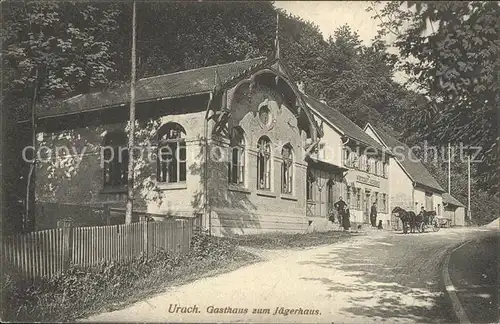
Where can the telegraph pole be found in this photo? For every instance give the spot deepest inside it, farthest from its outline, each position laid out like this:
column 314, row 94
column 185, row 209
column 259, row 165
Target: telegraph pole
column 449, row 168
column 130, row 179
column 468, row 186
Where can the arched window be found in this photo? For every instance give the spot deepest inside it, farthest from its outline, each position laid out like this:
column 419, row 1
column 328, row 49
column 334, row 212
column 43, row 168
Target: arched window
column 115, row 159
column 236, row 165
column 287, row 169
column 171, row 155
column 264, row 163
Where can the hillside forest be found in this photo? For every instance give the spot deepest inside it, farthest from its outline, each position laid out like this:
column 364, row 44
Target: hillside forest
column 53, row 50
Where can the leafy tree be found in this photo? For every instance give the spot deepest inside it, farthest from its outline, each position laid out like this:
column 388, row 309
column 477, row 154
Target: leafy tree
column 451, row 52
column 50, row 50
column 355, row 78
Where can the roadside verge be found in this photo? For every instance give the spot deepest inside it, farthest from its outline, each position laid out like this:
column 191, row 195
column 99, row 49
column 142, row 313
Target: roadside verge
column 450, row 288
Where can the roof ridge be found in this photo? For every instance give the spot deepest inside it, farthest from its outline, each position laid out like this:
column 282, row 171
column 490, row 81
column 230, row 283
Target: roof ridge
column 340, row 112
column 202, row 67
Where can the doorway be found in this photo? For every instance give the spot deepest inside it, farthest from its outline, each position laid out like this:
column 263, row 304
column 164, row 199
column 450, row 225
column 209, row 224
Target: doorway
column 367, row 206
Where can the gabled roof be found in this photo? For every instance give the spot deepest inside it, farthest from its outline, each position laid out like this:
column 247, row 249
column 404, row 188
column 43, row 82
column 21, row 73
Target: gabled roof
column 178, row 84
column 449, row 199
column 408, row 161
column 341, row 122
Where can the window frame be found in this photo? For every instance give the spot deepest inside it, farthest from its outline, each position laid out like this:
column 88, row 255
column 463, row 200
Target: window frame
column 310, row 181
column 118, row 142
column 358, row 199
column 236, row 171
column 287, row 170
column 177, row 147
column 264, row 160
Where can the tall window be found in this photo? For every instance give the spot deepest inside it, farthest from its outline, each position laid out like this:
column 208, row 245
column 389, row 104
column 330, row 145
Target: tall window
column 310, row 186
column 384, row 169
column 345, row 156
column 358, row 199
column 115, row 159
column 375, row 200
column 368, row 164
column 348, row 196
column 287, row 169
column 330, row 186
column 264, row 163
column 384, row 202
column 321, row 151
column 363, row 162
column 352, row 205
column 171, row 157
column 377, row 168
column 236, row 166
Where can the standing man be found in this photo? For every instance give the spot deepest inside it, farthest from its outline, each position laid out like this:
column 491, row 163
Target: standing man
column 373, row 214
column 340, row 206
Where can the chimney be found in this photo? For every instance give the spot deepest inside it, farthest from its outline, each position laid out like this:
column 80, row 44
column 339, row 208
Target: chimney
column 300, row 85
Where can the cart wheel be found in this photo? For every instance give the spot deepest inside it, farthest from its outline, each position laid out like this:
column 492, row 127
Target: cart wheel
column 436, row 227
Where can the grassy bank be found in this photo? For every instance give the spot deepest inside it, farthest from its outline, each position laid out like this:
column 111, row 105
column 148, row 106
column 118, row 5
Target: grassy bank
column 283, row 241
column 79, row 293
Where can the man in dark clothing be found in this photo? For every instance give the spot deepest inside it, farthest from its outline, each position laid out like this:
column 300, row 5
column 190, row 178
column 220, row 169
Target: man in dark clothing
column 340, row 205
column 373, row 215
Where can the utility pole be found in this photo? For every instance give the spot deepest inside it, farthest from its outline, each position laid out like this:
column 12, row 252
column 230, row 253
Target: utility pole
column 468, row 186
column 449, row 168
column 130, row 180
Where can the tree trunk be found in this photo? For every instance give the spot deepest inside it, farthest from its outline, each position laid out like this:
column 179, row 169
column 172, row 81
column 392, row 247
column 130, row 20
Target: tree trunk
column 31, row 173
column 130, row 180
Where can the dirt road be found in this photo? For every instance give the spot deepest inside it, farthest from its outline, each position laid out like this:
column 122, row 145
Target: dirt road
column 380, row 277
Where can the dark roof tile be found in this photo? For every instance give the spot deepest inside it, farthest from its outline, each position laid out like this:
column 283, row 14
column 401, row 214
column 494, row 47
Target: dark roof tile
column 347, row 126
column 449, row 199
column 409, row 161
column 171, row 85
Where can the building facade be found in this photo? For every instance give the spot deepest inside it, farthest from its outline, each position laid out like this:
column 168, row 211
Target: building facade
column 454, row 210
column 411, row 184
column 361, row 164
column 228, row 143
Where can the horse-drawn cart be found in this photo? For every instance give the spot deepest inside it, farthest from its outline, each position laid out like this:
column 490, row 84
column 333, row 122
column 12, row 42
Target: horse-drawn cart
column 417, row 223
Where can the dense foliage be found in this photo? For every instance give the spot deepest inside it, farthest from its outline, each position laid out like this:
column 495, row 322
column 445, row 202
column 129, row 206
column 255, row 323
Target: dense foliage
column 79, row 46
column 451, row 52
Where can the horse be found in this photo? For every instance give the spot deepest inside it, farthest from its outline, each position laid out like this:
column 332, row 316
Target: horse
column 408, row 218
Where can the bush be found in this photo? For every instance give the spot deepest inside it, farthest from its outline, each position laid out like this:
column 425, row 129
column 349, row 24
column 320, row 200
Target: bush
column 81, row 291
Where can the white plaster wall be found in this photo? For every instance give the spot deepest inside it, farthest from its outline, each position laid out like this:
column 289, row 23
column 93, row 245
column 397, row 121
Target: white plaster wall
column 401, row 187
column 332, row 152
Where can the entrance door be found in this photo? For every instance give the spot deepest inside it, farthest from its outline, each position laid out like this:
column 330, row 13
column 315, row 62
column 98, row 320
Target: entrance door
column 367, row 206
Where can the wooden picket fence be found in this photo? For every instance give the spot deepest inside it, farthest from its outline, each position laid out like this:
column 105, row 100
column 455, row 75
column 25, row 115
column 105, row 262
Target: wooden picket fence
column 48, row 252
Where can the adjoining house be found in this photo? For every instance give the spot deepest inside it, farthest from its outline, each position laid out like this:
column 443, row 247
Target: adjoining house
column 454, row 210
column 358, row 163
column 411, row 184
column 228, row 142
